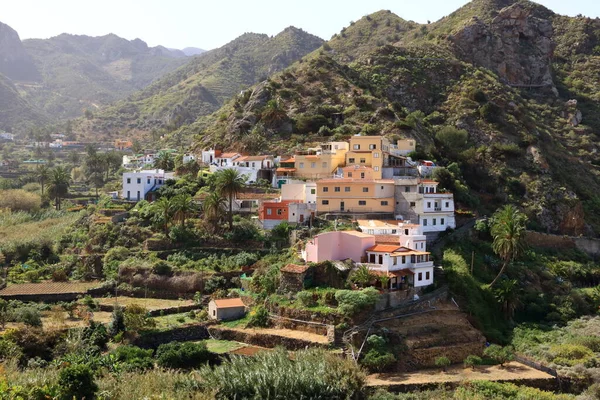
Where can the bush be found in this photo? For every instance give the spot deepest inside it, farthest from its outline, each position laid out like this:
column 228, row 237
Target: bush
column 306, row 298
column 27, row 315
column 134, row 358
column 215, row 283
column 375, row 361
column 77, row 381
column 20, row 200
column 352, row 301
column 182, row 355
column 136, row 318
column 452, row 139
column 259, row 317
column 117, row 323
column 570, row 354
column 472, row 361
column 162, row 268
column 499, row 354
column 442, row 362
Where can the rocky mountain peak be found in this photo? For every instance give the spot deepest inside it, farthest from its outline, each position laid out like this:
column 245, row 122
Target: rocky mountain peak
column 15, row 63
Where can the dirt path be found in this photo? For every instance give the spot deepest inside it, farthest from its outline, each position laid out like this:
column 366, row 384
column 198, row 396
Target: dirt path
column 288, row 333
column 512, row 371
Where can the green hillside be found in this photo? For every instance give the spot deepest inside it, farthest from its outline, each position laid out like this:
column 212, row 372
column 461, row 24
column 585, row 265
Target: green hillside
column 16, row 113
column 204, row 84
column 499, row 82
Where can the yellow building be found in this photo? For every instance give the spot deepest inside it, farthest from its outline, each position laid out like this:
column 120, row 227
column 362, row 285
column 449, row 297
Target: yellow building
column 122, row 144
column 355, row 195
column 321, row 162
column 375, row 152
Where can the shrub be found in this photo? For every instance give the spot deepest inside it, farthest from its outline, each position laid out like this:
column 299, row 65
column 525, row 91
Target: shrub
column 182, row 355
column 442, row 362
column 472, row 361
column 259, row 317
column 162, row 268
column 375, row 361
column 452, row 139
column 133, row 357
column 20, row 200
column 77, row 381
column 117, row 323
column 27, row 315
column 306, row 298
column 353, row 301
column 59, row 275
column 570, row 354
column 499, row 354
column 136, row 318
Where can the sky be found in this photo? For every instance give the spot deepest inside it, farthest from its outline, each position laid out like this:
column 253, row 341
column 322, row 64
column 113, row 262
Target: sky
column 209, row 24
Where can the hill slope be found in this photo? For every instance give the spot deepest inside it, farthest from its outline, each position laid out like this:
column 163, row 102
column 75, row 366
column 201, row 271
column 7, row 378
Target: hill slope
column 15, row 63
column 16, row 114
column 496, row 77
column 204, row 84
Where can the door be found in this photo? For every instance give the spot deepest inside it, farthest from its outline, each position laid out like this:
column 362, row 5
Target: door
column 342, row 206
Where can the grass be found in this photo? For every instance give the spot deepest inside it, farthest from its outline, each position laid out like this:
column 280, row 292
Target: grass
column 222, row 346
column 165, row 322
column 238, row 323
column 48, row 288
column 150, row 304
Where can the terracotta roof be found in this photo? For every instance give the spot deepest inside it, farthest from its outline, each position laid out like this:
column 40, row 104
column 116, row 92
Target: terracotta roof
column 253, row 158
column 229, row 155
column 286, row 169
column 429, row 181
column 387, row 239
column 404, row 251
column 295, row 269
column 351, row 180
column 288, row 160
column 229, row 303
column 384, row 248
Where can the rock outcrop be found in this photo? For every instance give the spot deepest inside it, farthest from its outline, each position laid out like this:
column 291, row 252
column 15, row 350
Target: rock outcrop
column 15, row 62
column 517, row 45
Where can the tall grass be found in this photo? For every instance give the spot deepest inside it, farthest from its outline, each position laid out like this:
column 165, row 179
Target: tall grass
column 21, row 217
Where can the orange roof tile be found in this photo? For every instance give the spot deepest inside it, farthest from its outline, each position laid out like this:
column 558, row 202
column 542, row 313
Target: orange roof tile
column 229, row 155
column 229, row 303
column 289, row 160
column 429, row 181
column 286, row 169
column 384, row 248
column 387, row 239
column 295, row 269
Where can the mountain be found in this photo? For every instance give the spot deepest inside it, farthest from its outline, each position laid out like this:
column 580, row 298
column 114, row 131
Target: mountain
column 15, row 63
column 193, row 51
column 503, row 93
column 205, row 83
column 16, row 113
column 82, row 72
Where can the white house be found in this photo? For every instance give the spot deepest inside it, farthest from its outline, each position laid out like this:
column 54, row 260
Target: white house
column 426, row 168
column 224, row 160
column 208, row 156
column 305, row 192
column 139, row 185
column 403, row 233
column 188, row 157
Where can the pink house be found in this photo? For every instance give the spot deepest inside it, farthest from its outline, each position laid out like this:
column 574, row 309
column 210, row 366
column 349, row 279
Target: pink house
column 338, row 245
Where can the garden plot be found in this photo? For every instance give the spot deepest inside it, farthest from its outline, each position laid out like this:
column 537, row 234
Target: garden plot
column 149, row 304
column 43, row 288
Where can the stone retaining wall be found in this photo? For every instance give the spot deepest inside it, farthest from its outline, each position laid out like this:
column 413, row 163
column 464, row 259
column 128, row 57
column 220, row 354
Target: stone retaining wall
column 151, row 340
column 261, row 339
column 155, row 313
column 425, row 357
column 591, row 246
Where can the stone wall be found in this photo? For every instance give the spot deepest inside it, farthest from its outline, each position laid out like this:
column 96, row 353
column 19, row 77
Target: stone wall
column 151, row 340
column 155, row 313
column 591, row 246
column 300, row 325
column 425, row 357
column 260, row 339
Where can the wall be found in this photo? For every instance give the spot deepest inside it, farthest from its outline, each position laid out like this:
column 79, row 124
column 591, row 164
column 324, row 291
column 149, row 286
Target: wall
column 424, row 281
column 591, row 246
column 338, row 245
column 261, row 339
column 182, row 334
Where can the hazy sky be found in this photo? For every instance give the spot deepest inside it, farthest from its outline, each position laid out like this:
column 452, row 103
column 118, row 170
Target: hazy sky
column 210, row 24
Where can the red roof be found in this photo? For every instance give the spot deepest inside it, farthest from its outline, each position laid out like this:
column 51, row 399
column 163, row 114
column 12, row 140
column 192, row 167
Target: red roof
column 428, row 181
column 295, row 269
column 384, row 248
column 229, row 303
column 387, row 239
column 280, row 169
column 351, row 180
column 229, row 155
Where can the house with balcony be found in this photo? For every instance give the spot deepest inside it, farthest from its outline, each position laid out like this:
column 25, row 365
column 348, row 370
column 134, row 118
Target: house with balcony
column 403, row 233
column 141, row 185
column 403, row 266
column 305, row 192
column 379, row 154
column 355, row 195
column 320, row 162
column 255, row 167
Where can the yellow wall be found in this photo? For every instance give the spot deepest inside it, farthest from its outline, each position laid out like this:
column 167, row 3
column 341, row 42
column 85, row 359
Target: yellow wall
column 320, row 170
column 352, row 194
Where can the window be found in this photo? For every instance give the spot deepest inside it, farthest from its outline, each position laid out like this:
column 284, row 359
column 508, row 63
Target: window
column 406, row 232
column 337, row 189
column 362, row 175
column 313, row 164
column 148, row 181
column 435, row 221
column 351, row 161
column 420, row 276
column 362, row 202
column 160, row 181
column 447, row 204
column 376, row 169
column 356, row 147
column 325, row 202
column 214, row 313
column 279, row 211
column 372, row 146
column 347, row 189
column 394, row 231
column 325, row 189
column 425, row 222
column 395, row 259
column 325, row 164
column 442, row 221
column 406, row 189
column 128, row 180
column 139, row 180
column 312, row 191
column 427, row 275
column 363, row 160
column 375, row 155
column 428, row 204
column 269, row 211
column 138, row 195
column 381, row 187
column 403, row 259
column 253, row 165
column 128, row 195
column 301, row 165
column 365, row 190
column 349, row 174
column 384, row 203
column 413, row 204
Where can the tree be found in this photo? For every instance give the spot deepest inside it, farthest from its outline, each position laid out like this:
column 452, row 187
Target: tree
column 164, row 160
column 183, row 206
column 499, row 354
column 136, row 146
column 136, row 318
column 362, row 276
column 443, row 362
column 77, row 382
column 117, row 323
column 42, row 174
column 508, row 231
column 60, row 181
column 472, row 361
column 112, row 162
column 507, row 295
column 230, row 182
column 165, row 208
column 214, row 207
column 94, row 169
column 452, row 139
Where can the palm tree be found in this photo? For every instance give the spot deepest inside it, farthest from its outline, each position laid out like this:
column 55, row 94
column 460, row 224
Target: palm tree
column 164, row 161
column 362, row 276
column 42, row 174
column 60, row 181
column 508, row 231
column 213, row 207
column 507, row 295
column 165, row 208
column 229, row 183
column 183, row 205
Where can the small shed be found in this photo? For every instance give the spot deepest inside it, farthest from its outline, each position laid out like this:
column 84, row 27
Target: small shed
column 226, row 309
column 295, row 278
